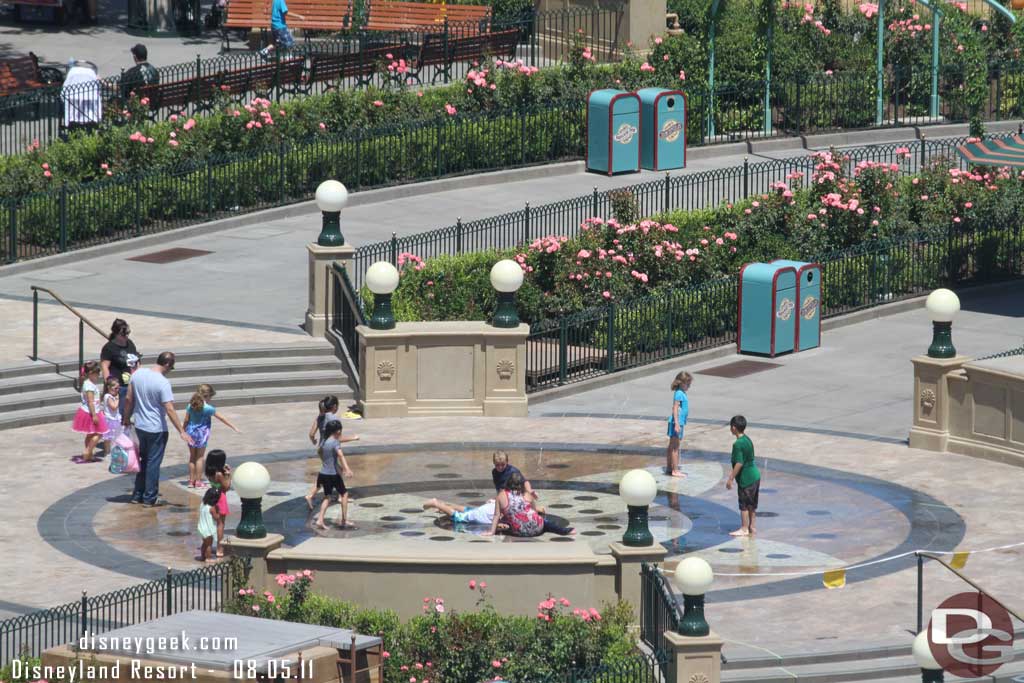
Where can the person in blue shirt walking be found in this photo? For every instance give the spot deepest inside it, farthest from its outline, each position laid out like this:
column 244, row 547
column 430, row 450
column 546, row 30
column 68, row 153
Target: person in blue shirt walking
column 677, row 421
column 283, row 39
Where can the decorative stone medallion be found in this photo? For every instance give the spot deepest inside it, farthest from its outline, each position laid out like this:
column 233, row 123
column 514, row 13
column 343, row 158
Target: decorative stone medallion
column 699, row 678
column 927, row 400
column 385, row 370
column 505, row 369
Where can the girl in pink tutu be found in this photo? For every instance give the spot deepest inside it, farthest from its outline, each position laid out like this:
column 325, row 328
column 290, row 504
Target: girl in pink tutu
column 89, row 419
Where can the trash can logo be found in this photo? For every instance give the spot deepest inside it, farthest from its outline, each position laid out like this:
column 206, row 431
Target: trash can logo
column 625, row 134
column 785, row 310
column 809, row 307
column 671, row 130
column 971, row 635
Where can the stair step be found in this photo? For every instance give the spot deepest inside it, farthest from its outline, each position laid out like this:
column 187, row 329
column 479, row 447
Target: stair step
column 28, row 369
column 311, row 350
column 65, row 412
column 226, row 386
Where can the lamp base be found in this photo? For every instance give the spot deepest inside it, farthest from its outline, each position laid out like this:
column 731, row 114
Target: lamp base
column 251, row 523
column 330, row 230
column 383, row 318
column 932, row 676
column 693, row 623
column 637, row 534
column 505, row 314
column 942, row 341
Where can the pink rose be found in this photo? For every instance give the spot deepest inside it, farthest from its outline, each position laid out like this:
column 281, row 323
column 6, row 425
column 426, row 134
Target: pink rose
column 472, row 582
column 190, row 124
column 378, row 103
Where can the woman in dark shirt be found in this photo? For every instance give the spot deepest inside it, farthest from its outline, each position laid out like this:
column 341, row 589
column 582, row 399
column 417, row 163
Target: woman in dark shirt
column 119, row 357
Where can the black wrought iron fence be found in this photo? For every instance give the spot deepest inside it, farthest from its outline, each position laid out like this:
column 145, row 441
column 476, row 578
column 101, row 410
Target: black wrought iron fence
column 659, row 610
column 346, row 314
column 205, row 588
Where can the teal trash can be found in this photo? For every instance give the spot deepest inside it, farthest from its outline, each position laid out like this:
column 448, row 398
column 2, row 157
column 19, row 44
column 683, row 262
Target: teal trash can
column 663, row 129
column 808, row 298
column 767, row 309
column 613, row 132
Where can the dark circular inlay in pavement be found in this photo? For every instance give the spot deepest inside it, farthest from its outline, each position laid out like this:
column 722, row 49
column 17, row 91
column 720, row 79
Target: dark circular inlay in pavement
column 468, row 494
column 177, row 533
column 557, row 466
column 823, row 536
column 278, row 493
column 447, row 475
column 591, row 511
column 561, row 539
column 593, row 533
column 818, row 513
column 412, row 533
column 411, row 511
column 730, row 550
column 479, row 540
column 606, row 519
column 392, row 518
column 585, row 498
column 559, row 506
column 610, row 527
column 442, row 538
column 437, row 466
column 371, row 505
column 767, row 514
column 778, row 556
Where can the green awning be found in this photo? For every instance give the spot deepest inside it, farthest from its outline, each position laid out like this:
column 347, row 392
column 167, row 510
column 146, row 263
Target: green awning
column 1007, row 151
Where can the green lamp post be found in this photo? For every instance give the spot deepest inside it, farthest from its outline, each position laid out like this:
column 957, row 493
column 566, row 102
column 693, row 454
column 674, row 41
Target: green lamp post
column 693, row 577
column 506, row 278
column 382, row 279
column 942, row 305
column 331, row 196
column 638, row 490
column 931, row 670
column 251, row 481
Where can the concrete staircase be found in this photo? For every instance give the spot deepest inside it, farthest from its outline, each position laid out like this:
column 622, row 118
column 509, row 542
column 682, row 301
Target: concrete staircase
column 40, row 392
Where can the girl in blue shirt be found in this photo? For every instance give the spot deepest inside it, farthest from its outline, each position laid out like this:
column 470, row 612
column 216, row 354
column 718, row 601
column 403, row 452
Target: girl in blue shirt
column 198, row 418
column 677, row 421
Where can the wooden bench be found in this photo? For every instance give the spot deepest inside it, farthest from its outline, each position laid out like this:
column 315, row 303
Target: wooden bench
column 362, row 65
column 245, row 15
column 22, row 74
column 176, row 96
column 321, row 15
column 439, row 51
column 396, row 16
column 286, row 74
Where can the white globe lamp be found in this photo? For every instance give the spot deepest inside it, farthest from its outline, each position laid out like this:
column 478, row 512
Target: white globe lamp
column 331, row 197
column 931, row 670
column 942, row 305
column 693, row 578
column 251, row 481
column 506, row 278
column 382, row 279
column 638, row 490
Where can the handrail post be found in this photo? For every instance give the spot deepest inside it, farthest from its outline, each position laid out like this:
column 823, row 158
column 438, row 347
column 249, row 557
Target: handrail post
column 81, row 344
column 35, row 324
column 920, row 592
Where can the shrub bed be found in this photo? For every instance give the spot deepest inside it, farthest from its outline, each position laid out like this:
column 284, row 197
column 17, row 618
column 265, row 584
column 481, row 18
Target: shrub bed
column 445, row 646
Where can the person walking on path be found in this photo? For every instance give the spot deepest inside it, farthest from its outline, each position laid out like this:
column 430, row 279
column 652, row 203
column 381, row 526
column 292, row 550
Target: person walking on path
column 745, row 474
column 333, row 466
column 677, row 422
column 198, row 422
column 150, row 401
column 283, row 39
column 119, row 357
column 89, row 418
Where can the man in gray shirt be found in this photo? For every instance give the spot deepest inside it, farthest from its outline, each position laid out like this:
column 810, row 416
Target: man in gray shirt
column 151, row 401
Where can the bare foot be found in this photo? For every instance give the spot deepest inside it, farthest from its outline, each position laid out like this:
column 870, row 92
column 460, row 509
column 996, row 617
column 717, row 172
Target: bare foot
column 309, row 502
column 430, row 503
column 753, row 531
column 347, row 525
column 679, row 474
column 320, row 525
column 739, row 532
column 220, row 552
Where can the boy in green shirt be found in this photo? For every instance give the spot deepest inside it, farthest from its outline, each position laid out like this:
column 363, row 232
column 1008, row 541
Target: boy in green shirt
column 745, row 474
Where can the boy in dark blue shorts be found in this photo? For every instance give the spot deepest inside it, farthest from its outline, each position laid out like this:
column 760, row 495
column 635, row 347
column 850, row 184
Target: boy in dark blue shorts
column 746, row 475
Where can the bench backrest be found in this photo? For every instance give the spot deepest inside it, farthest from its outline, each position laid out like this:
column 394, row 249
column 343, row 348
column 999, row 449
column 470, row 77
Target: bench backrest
column 330, row 67
column 499, row 44
column 394, row 15
column 320, row 15
column 19, row 74
column 248, row 14
column 242, row 80
column 173, row 94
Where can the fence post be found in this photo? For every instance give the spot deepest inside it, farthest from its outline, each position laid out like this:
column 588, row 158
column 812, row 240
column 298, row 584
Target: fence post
column 394, row 250
column 85, row 613
column 669, row 321
column 138, row 206
column 563, row 349
column 746, row 177
column 594, row 212
column 12, row 231
column 668, row 184
column 526, row 224
column 359, row 160
column 209, row 185
column 873, row 276
column 35, row 324
column 458, row 235
column 64, row 216
column 799, row 113
column 281, row 151
column 611, row 339
column 169, row 605
column 924, row 158
column 447, row 69
column 440, row 146
column 522, row 135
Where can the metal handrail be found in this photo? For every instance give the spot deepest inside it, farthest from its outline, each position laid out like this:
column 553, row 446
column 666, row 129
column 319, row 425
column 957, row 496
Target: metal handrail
column 920, row 587
column 82, row 322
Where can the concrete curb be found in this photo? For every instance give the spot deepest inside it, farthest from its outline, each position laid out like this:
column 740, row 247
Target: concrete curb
column 725, row 350
column 363, row 198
